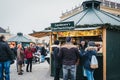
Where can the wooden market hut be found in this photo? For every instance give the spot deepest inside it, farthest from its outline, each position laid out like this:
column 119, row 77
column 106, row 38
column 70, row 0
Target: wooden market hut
column 108, row 26
column 97, row 25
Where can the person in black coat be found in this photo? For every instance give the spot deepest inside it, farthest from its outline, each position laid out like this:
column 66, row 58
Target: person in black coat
column 6, row 57
column 83, row 46
column 43, row 53
column 57, row 62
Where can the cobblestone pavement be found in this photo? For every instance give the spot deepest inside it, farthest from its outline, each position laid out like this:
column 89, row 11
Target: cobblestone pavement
column 39, row 72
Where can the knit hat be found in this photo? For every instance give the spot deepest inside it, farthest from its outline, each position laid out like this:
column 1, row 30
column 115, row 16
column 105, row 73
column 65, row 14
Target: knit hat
column 68, row 39
column 91, row 43
column 56, row 42
column 2, row 37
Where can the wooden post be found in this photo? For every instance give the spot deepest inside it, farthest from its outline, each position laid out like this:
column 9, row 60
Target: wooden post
column 57, row 36
column 50, row 43
column 104, row 53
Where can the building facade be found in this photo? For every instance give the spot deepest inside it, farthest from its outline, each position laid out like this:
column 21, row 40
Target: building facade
column 106, row 5
column 5, row 32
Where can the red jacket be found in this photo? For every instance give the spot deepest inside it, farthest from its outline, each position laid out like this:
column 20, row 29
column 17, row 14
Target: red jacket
column 33, row 50
column 28, row 53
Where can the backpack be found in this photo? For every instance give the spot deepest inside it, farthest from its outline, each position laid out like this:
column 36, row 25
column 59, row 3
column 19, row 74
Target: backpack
column 94, row 62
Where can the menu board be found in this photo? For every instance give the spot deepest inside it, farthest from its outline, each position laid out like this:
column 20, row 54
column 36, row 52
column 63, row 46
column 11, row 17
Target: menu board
column 80, row 33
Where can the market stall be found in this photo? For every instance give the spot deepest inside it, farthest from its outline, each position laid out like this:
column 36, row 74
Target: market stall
column 96, row 25
column 93, row 24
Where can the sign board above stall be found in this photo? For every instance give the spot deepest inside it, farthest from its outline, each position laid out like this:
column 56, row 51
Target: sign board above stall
column 73, row 33
column 62, row 26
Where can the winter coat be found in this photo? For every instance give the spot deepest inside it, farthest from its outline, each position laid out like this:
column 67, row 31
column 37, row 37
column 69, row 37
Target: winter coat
column 82, row 52
column 20, row 56
column 5, row 52
column 87, row 58
column 43, row 51
column 69, row 54
column 28, row 53
column 57, row 61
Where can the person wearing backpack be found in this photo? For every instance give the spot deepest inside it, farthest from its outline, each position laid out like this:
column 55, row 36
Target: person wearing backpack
column 89, row 52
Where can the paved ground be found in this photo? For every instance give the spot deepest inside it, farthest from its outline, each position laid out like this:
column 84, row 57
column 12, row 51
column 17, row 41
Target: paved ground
column 40, row 72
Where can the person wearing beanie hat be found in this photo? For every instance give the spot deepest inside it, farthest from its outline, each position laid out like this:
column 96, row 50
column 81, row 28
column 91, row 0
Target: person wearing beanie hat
column 57, row 63
column 68, row 39
column 56, row 42
column 69, row 55
column 89, row 52
column 91, row 46
column 2, row 38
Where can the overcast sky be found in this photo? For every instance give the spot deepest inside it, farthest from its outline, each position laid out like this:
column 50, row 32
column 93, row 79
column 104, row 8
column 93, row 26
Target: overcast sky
column 27, row 15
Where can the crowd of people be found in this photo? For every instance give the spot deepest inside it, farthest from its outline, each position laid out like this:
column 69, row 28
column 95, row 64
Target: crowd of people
column 21, row 55
column 68, row 56
column 27, row 54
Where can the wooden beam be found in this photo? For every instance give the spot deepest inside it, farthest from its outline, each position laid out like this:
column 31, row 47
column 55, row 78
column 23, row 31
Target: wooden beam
column 40, row 34
column 110, row 10
column 104, row 53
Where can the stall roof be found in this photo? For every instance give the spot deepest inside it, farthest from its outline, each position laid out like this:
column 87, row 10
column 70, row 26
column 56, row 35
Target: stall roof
column 41, row 33
column 88, row 28
column 92, row 14
column 2, row 30
column 19, row 38
column 47, row 32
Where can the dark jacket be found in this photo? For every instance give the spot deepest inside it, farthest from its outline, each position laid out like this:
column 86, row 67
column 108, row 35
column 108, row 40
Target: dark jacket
column 82, row 52
column 43, row 51
column 14, row 50
column 57, row 61
column 69, row 54
column 5, row 52
column 87, row 59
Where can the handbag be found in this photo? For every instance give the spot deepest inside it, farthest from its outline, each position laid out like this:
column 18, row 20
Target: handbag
column 94, row 62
